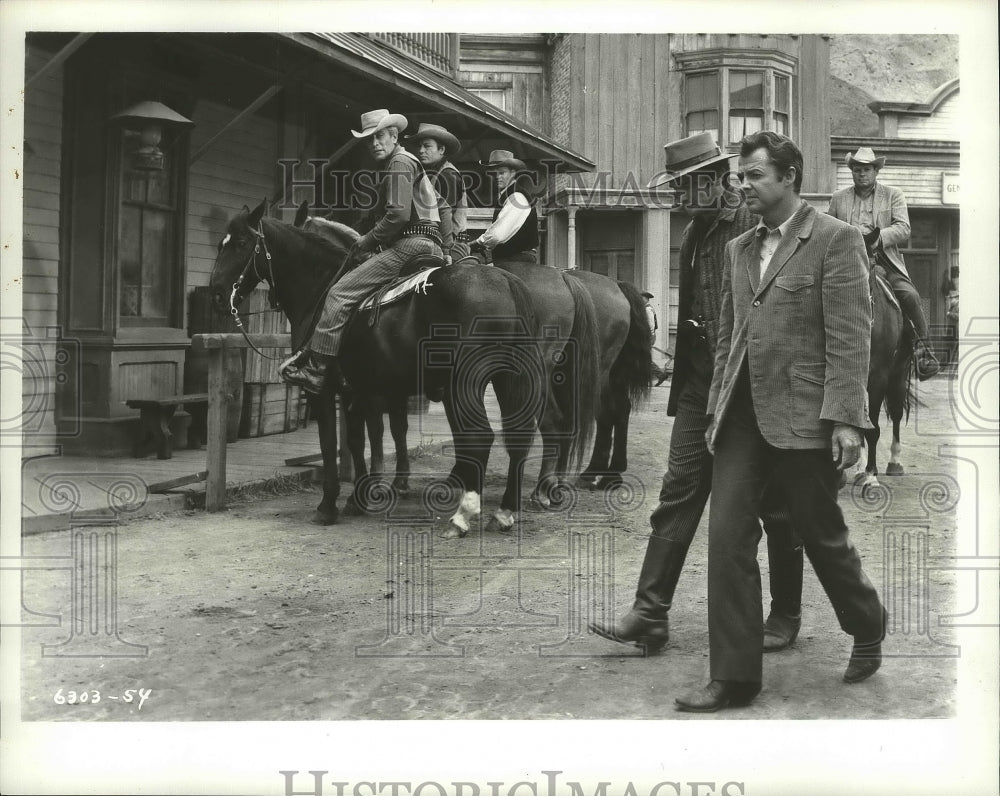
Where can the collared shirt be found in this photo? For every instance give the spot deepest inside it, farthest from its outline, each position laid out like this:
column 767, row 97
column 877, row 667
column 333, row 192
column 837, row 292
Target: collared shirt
column 863, row 209
column 513, row 214
column 770, row 239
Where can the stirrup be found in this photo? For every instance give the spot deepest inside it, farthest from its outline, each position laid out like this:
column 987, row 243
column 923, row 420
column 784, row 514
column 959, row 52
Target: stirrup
column 292, row 360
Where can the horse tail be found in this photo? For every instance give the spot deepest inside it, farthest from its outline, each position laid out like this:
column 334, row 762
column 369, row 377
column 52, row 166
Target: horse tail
column 908, row 369
column 633, row 369
column 583, row 370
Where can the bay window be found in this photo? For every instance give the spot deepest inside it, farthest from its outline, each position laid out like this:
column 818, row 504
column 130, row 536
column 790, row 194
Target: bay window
column 733, row 93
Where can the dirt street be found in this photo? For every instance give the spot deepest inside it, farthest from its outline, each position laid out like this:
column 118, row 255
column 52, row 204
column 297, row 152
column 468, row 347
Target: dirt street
column 255, row 614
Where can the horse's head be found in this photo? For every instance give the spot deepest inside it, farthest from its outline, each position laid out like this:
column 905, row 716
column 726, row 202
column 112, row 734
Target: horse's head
column 338, row 234
column 235, row 266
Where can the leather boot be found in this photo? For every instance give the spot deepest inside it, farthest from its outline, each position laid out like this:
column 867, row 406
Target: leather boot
column 926, row 363
column 866, row 655
column 646, row 625
column 313, row 372
column 784, row 557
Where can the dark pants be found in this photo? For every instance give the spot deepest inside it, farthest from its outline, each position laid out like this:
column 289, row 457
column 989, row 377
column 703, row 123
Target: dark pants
column 805, row 482
column 909, row 300
column 687, row 483
column 356, row 285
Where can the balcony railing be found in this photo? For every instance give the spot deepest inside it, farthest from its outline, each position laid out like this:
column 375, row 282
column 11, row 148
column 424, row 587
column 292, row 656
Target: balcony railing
column 436, row 50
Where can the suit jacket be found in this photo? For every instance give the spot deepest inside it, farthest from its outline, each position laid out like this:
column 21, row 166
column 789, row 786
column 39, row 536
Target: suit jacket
column 890, row 216
column 804, row 329
column 711, row 250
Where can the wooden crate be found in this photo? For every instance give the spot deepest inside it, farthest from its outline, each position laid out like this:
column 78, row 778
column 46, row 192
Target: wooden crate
column 271, row 409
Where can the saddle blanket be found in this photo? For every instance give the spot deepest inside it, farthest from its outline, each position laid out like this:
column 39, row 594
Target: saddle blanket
column 399, row 289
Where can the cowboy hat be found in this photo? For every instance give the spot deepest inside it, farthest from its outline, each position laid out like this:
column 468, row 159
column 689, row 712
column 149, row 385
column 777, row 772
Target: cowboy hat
column 864, row 157
column 503, row 157
column 689, row 154
column 439, row 134
column 373, row 121
column 647, row 294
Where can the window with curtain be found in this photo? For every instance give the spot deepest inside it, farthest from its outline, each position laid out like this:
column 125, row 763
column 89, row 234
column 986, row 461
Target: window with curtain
column 702, row 104
column 782, row 103
column 746, row 104
column 746, row 92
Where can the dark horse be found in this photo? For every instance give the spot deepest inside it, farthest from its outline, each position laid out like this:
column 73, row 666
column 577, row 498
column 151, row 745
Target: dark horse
column 621, row 360
column 568, row 350
column 889, row 377
column 469, row 327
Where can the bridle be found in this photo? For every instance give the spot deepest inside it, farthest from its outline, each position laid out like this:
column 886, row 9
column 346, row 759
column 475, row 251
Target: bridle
column 235, row 296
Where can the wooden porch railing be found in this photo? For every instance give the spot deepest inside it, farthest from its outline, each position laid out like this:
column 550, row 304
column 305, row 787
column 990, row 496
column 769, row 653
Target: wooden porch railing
column 214, row 346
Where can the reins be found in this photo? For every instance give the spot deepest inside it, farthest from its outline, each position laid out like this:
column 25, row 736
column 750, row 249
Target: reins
column 252, row 262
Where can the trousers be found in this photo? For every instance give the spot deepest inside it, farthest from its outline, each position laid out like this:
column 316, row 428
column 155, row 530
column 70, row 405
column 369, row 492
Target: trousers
column 806, row 483
column 687, row 482
column 909, row 300
column 354, row 286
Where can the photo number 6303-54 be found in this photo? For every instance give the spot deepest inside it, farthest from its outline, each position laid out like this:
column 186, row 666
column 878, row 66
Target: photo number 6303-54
column 93, row 696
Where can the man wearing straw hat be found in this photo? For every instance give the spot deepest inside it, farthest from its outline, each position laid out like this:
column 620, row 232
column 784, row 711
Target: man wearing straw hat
column 402, row 224
column 436, row 148
column 699, row 172
column 880, row 212
column 513, row 235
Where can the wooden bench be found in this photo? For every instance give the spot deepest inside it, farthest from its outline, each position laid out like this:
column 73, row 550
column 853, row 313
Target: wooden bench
column 154, row 422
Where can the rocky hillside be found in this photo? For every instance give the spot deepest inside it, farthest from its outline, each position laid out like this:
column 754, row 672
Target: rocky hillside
column 895, row 68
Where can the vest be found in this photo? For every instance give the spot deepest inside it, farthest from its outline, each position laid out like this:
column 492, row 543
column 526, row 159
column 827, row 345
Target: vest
column 459, row 220
column 526, row 238
column 424, row 208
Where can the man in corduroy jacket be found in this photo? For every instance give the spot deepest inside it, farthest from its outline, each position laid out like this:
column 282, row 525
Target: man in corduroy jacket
column 788, row 404
column 699, row 172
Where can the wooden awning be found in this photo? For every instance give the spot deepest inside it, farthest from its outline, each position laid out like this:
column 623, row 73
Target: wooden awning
column 373, row 61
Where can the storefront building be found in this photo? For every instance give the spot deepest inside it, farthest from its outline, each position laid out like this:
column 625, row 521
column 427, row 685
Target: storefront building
column 117, row 241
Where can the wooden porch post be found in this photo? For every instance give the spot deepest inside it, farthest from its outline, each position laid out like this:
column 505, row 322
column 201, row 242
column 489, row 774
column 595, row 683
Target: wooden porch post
column 215, row 488
column 571, row 237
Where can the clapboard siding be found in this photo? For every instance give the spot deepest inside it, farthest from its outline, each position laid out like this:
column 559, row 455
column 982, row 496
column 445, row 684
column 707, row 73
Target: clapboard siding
column 942, row 125
column 920, row 186
column 238, row 169
column 624, row 95
column 42, row 183
column 524, row 87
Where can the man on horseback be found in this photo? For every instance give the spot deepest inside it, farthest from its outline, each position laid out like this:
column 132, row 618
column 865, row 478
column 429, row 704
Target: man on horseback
column 513, row 235
column 700, row 171
column 436, row 148
column 880, row 212
column 402, row 224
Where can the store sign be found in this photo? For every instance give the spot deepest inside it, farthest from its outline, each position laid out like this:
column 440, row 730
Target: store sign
column 950, row 189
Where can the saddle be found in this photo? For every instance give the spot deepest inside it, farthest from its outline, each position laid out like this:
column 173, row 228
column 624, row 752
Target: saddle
column 412, row 278
column 882, row 282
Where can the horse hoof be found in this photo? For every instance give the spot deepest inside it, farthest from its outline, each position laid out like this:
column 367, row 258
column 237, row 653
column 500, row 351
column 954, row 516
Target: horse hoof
column 894, row 468
column 586, row 482
column 495, row 526
column 353, row 509
column 324, row 517
column 540, row 503
column 609, row 482
column 402, row 489
column 860, row 479
column 453, row 532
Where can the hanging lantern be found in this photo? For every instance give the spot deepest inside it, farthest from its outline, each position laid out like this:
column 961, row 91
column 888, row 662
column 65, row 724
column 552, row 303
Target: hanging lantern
column 148, row 119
